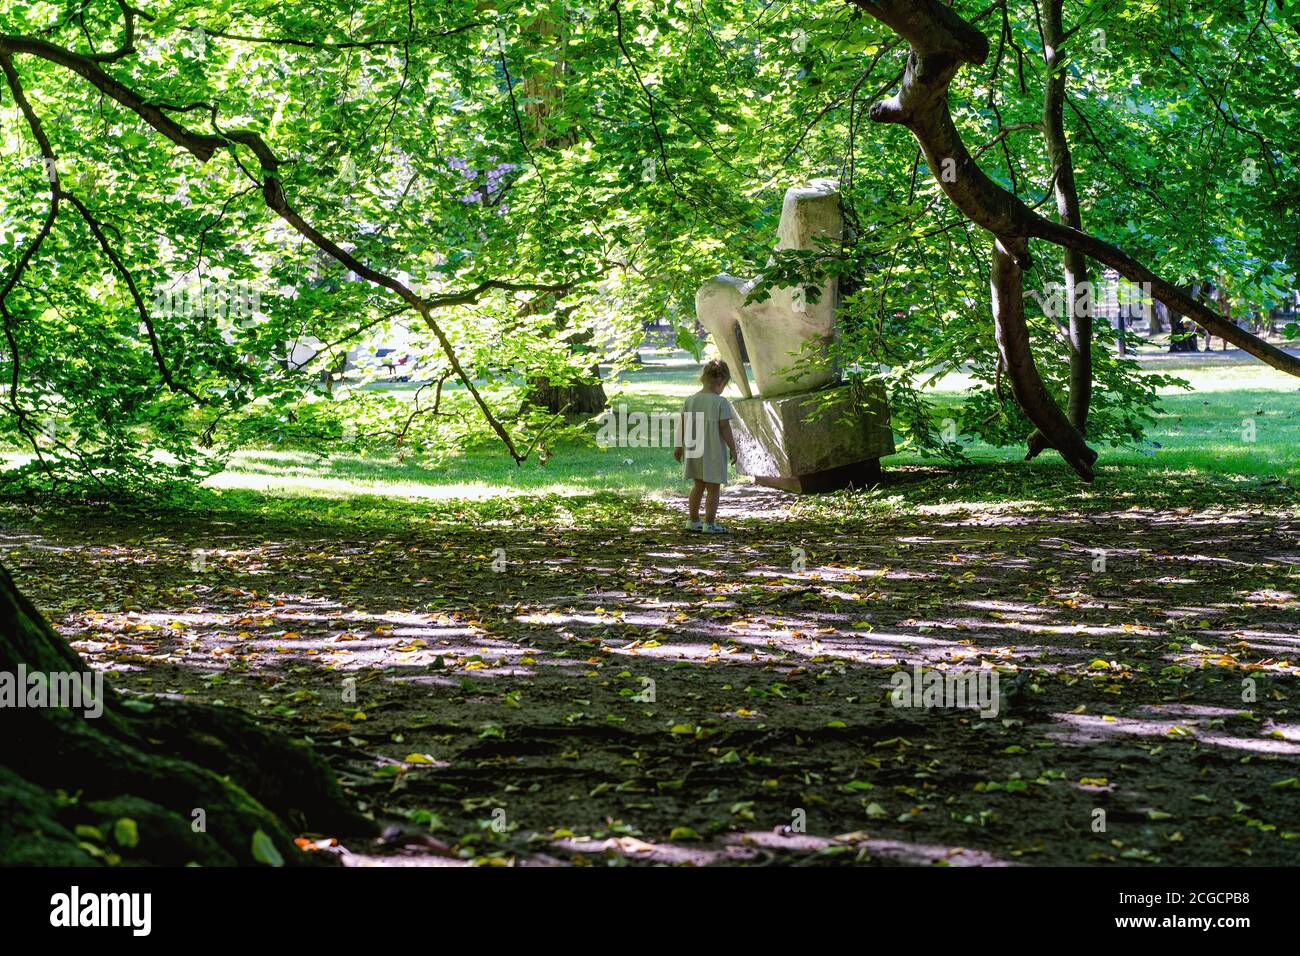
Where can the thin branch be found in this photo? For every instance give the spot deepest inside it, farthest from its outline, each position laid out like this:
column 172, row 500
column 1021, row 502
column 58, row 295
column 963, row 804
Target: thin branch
column 120, row 266
column 203, row 146
column 650, row 99
column 341, row 44
column 25, row 259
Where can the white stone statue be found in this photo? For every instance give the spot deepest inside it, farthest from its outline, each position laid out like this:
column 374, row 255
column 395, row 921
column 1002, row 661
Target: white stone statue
column 785, row 329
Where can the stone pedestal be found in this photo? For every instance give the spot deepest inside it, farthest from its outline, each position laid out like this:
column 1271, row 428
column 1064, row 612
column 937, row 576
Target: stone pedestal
column 815, row 441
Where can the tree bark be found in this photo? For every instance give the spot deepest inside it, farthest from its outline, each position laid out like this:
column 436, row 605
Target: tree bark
column 1156, row 314
column 1068, row 212
column 941, row 42
column 584, row 398
column 543, row 92
column 1013, row 346
column 155, row 762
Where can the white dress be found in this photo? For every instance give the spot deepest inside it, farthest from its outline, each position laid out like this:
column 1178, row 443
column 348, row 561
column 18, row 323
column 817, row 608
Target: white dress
column 705, row 455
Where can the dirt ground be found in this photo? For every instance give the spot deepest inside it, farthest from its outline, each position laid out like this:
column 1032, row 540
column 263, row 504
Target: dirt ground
column 588, row 693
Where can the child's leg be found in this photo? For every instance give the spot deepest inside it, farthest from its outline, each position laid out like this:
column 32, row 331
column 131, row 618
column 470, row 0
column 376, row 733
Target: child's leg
column 697, row 492
column 711, row 503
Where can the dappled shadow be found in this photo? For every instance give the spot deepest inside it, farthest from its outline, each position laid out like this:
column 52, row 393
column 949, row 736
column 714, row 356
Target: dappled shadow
column 598, row 691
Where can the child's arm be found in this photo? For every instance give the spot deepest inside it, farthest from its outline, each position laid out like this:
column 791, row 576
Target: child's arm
column 728, row 439
column 679, row 449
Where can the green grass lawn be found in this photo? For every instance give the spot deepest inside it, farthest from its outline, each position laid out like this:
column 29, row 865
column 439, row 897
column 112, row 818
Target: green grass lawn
column 1238, row 419
column 1239, row 426
column 1205, row 432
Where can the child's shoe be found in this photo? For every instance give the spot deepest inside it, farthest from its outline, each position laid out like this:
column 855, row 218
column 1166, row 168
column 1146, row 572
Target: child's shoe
column 715, row 528
column 695, row 526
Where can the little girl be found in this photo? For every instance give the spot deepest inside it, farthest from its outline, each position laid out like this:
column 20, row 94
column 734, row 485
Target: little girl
column 706, row 428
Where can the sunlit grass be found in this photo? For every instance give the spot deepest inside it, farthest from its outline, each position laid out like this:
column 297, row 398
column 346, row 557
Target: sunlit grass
column 488, row 473
column 1240, row 419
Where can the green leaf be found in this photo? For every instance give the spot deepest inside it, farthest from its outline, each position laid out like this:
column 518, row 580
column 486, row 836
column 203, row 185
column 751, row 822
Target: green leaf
column 264, row 850
column 687, row 342
column 125, row 832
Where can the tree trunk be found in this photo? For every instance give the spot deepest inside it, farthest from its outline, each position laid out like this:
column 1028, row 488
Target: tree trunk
column 1053, row 427
column 584, row 398
column 1182, row 334
column 197, row 781
column 1067, row 212
column 544, row 88
column 1181, row 337
column 543, row 92
column 941, row 42
column 1156, row 314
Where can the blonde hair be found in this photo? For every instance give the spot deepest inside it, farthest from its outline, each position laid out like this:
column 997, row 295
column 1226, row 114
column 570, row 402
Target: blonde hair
column 715, row 370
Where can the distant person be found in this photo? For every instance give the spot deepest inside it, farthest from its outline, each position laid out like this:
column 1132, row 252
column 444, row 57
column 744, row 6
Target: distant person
column 704, row 444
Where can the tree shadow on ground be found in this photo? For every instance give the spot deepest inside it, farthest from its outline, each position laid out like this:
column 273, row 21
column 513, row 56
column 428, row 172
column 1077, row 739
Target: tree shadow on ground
column 545, row 692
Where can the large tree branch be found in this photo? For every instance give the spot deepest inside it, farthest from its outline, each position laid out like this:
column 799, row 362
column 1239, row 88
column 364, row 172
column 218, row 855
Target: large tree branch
column 204, row 145
column 96, row 228
column 1164, row 290
column 939, row 48
column 930, row 28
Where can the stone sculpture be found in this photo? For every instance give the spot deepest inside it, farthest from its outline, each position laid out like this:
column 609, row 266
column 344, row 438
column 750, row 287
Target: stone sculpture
column 804, row 431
